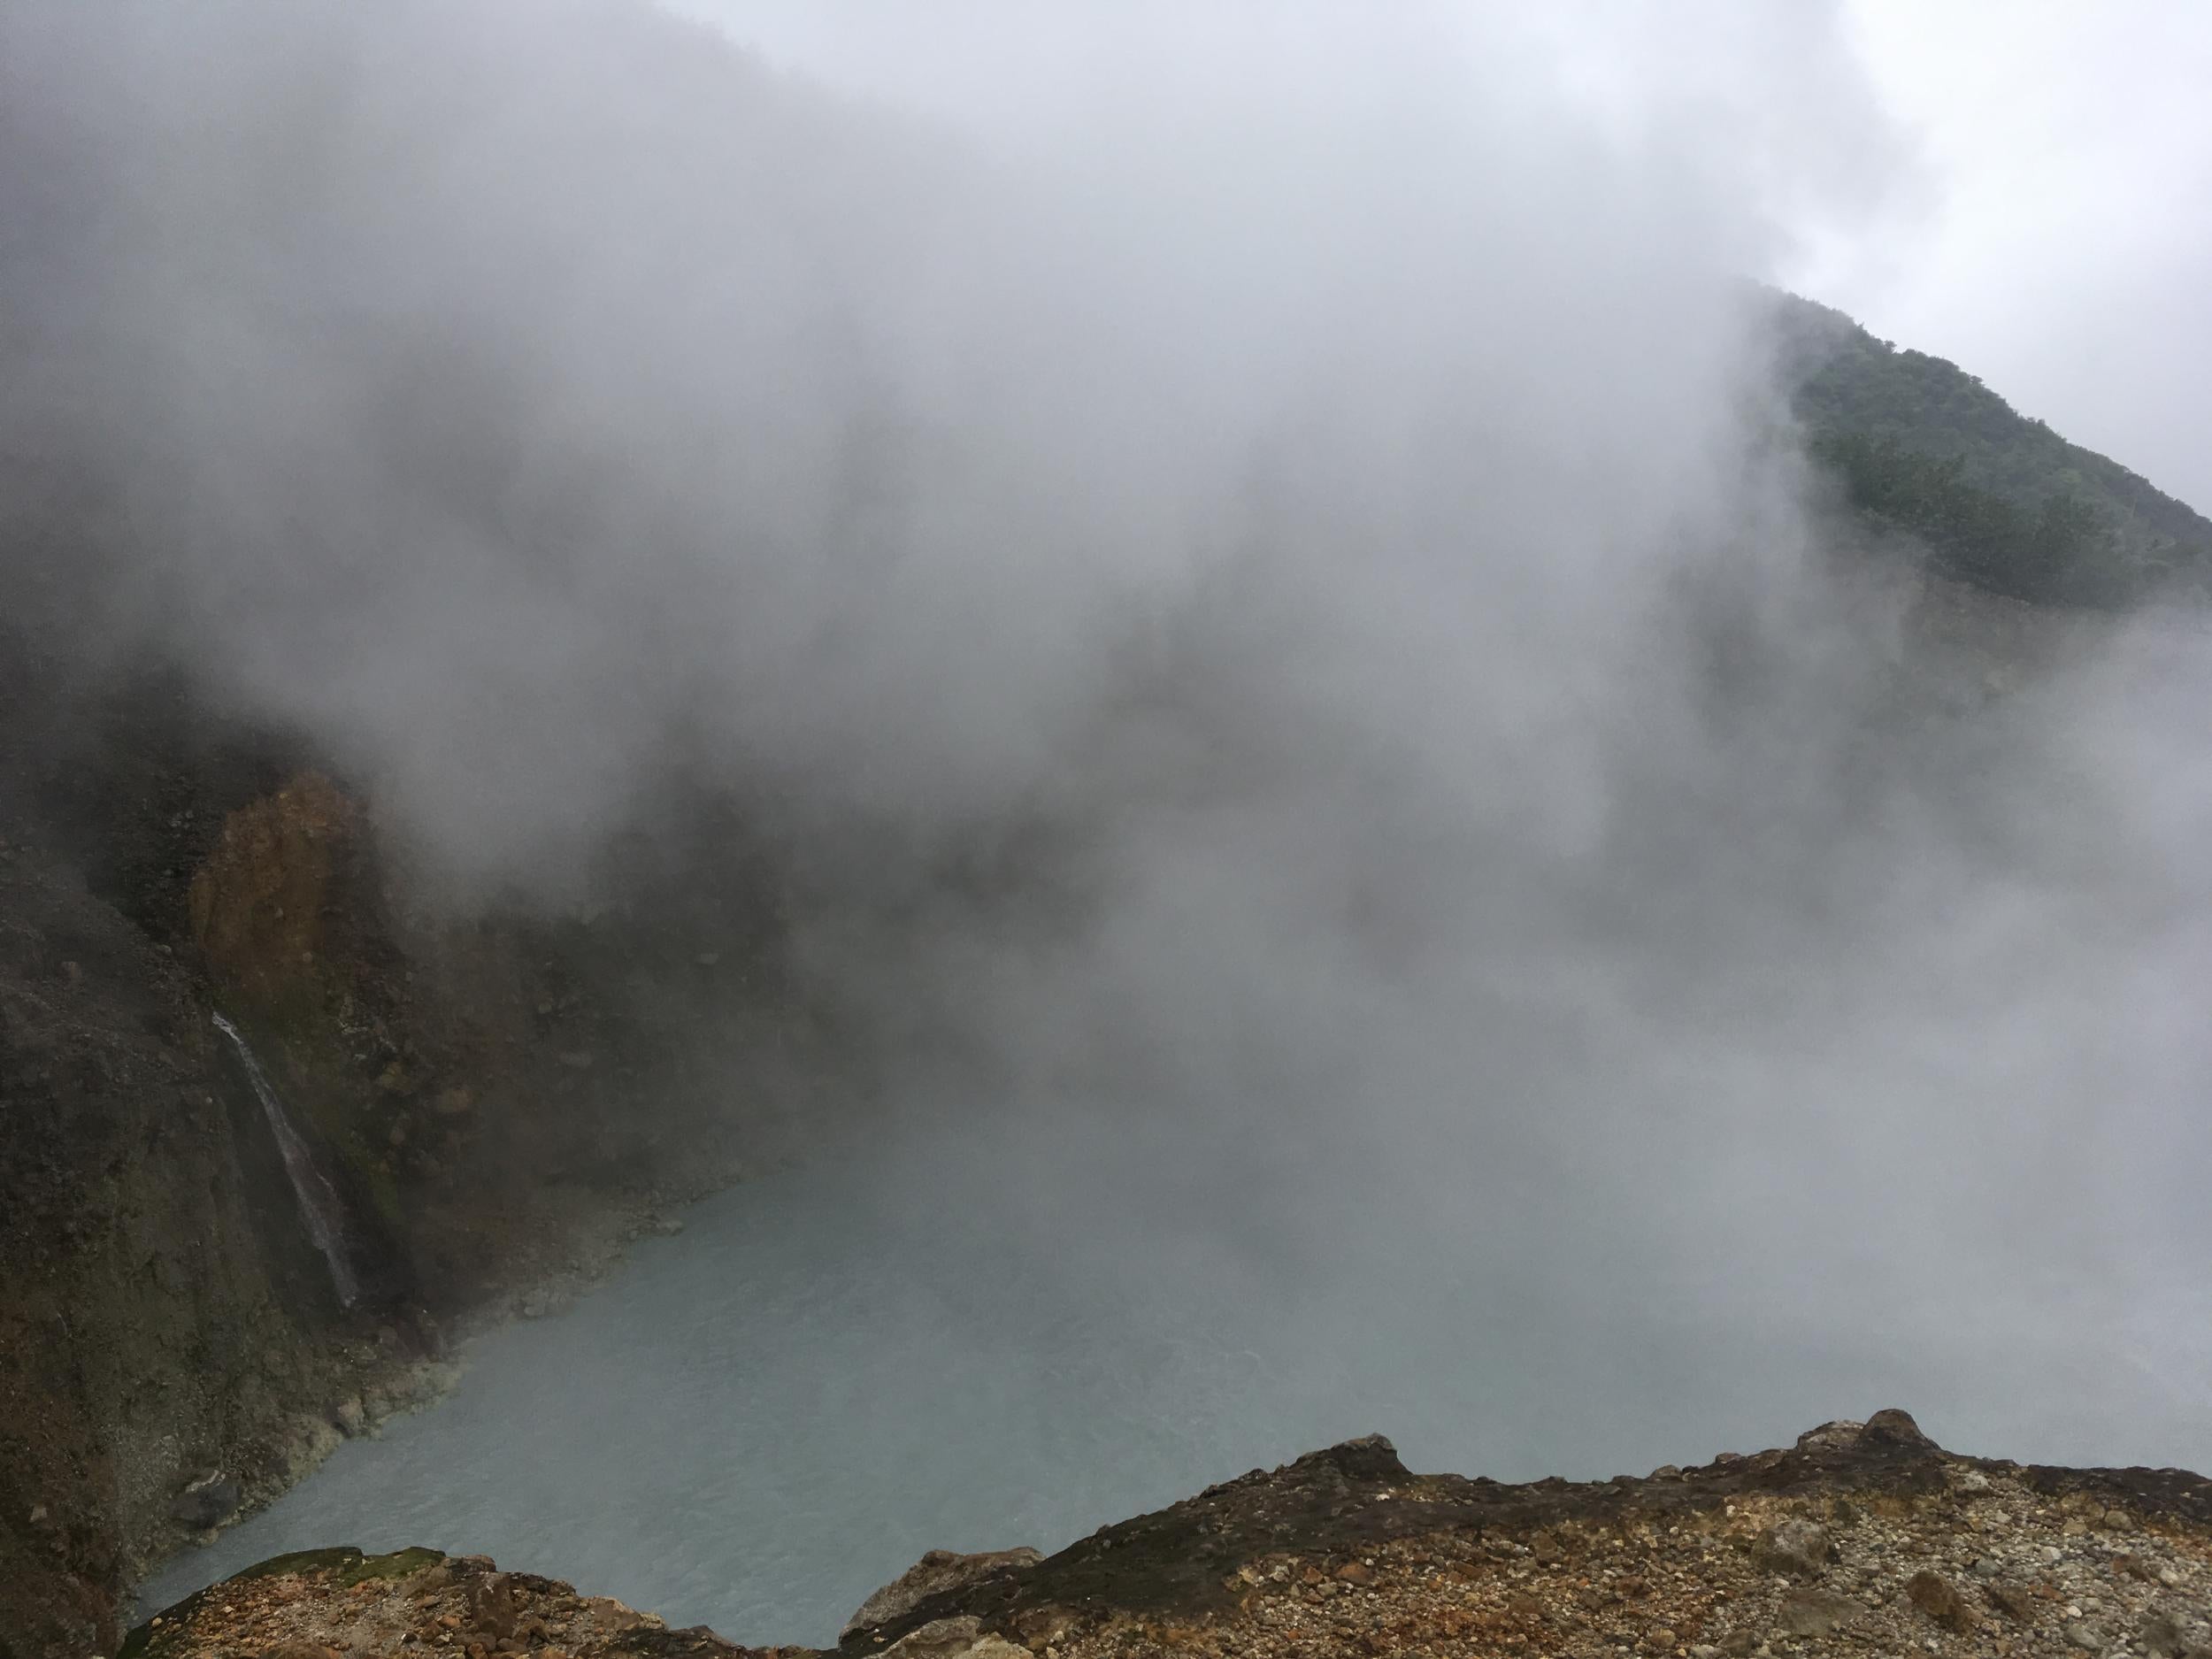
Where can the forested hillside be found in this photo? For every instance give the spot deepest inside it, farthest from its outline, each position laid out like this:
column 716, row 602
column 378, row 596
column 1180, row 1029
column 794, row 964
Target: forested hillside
column 1998, row 498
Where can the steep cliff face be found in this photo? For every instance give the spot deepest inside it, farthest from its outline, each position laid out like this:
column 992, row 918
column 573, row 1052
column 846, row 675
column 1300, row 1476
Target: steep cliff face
column 498, row 1095
column 490, row 1077
column 1860, row 1537
column 162, row 1317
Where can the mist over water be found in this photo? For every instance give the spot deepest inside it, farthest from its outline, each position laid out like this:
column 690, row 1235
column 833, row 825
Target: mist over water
column 1394, row 870
column 958, row 1339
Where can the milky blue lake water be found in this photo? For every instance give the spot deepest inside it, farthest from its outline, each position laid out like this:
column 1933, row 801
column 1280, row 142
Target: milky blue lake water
column 976, row 1345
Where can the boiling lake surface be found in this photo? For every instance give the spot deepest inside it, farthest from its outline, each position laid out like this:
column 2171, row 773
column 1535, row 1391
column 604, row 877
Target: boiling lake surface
column 972, row 1340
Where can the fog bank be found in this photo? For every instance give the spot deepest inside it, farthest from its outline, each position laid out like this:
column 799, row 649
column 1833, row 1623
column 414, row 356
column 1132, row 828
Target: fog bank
column 1279, row 622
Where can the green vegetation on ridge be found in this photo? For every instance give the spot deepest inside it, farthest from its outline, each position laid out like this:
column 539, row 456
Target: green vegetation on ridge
column 1917, row 444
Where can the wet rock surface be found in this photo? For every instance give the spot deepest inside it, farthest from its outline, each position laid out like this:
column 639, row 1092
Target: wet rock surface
column 1861, row 1538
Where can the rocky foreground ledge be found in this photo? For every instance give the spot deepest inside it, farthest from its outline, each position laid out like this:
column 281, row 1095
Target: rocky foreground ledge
column 1862, row 1538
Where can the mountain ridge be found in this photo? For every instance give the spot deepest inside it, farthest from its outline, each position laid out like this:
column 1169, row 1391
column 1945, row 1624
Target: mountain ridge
column 1920, row 446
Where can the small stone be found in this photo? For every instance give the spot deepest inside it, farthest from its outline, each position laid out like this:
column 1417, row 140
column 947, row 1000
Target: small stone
column 208, row 1502
column 1355, row 1572
column 1892, row 1427
column 2161, row 1637
column 1816, row 1612
column 1973, row 1481
column 1843, row 1432
column 1936, row 1597
column 2088, row 1637
column 1793, row 1545
column 2118, row 1521
column 1704, row 1650
column 349, row 1417
column 452, row 1103
column 493, row 1606
column 2011, row 1599
column 1660, row 1636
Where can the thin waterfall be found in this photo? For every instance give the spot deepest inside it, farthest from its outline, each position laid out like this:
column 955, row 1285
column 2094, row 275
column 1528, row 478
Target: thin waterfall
column 320, row 1207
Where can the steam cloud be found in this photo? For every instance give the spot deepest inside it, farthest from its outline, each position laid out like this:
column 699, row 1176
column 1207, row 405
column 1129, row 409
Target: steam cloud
column 1298, row 504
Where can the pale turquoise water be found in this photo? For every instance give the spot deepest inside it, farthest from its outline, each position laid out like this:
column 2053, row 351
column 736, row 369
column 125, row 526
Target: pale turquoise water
column 988, row 1343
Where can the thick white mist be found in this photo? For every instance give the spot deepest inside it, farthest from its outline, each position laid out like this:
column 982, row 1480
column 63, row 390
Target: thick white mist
column 1286, row 509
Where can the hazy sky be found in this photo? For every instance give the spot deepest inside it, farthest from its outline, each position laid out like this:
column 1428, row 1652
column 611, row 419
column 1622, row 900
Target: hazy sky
column 2037, row 214
column 2066, row 251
